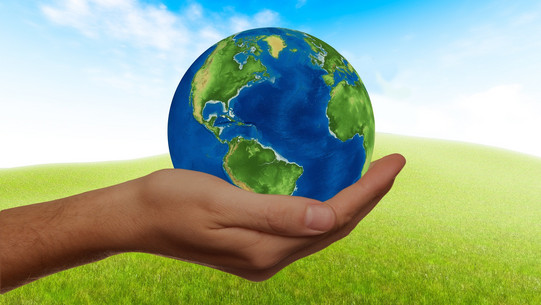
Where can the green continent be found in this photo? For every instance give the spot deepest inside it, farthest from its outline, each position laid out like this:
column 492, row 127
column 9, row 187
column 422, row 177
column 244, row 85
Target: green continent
column 330, row 60
column 350, row 113
column 220, row 78
column 349, row 109
column 256, row 168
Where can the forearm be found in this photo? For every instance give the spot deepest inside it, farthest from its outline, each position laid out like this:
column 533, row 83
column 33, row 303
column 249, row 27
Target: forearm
column 41, row 239
column 185, row 215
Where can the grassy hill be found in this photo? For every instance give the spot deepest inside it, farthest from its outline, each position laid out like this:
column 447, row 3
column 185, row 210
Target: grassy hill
column 462, row 225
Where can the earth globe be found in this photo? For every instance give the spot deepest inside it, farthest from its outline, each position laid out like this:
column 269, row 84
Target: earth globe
column 273, row 111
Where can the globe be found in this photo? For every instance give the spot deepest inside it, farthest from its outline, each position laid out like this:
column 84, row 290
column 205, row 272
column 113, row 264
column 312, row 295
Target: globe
column 273, row 111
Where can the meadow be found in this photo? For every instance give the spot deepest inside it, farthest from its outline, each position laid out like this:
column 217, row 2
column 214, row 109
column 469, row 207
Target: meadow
column 462, row 225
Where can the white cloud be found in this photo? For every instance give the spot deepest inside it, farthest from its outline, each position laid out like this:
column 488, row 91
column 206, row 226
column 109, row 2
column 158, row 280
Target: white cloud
column 78, row 12
column 141, row 25
column 194, row 11
column 392, row 89
column 481, row 41
column 264, row 18
column 300, row 3
column 240, row 23
column 148, row 39
column 525, row 18
column 124, row 20
column 480, row 86
column 502, row 116
column 105, row 94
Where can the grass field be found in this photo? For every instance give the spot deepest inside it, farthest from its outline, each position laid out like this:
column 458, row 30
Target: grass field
column 462, row 225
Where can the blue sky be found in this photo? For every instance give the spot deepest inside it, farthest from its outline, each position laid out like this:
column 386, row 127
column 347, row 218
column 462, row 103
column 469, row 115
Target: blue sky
column 91, row 80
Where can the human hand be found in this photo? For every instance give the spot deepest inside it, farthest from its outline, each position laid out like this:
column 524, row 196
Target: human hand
column 202, row 219
column 186, row 215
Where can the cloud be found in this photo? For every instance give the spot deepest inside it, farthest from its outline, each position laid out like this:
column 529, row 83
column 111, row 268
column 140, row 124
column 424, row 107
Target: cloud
column 239, row 23
column 145, row 25
column 147, row 45
column 509, row 35
column 72, row 14
column 503, row 116
column 480, row 42
column 120, row 65
column 300, row 3
column 526, row 18
column 194, row 11
column 392, row 88
column 125, row 20
column 480, row 86
column 264, row 18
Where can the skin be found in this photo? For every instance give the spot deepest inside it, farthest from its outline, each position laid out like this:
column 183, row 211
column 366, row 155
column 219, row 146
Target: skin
column 186, row 215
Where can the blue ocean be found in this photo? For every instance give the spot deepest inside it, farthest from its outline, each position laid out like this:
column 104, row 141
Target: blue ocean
column 285, row 111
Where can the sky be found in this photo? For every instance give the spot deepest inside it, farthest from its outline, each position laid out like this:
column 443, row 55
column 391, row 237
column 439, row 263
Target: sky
column 93, row 80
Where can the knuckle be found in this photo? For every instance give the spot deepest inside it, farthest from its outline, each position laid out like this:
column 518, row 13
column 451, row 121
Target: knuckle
column 348, row 217
column 345, row 231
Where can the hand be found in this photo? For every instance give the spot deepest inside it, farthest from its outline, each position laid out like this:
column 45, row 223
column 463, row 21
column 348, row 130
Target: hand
column 186, row 215
column 200, row 218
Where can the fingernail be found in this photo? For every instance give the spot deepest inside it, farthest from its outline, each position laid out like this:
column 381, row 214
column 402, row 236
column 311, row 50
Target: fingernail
column 319, row 217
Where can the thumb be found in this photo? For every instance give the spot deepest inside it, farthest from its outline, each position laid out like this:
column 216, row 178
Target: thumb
column 280, row 215
column 362, row 196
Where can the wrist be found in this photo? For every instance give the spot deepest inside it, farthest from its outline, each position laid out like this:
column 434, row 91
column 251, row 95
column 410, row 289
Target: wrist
column 140, row 208
column 45, row 238
column 122, row 219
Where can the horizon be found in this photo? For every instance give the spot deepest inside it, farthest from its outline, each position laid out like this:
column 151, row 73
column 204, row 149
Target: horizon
column 87, row 81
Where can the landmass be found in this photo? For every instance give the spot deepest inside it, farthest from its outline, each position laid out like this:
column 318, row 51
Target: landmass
column 329, row 59
column 276, row 44
column 350, row 113
column 259, row 169
column 220, row 78
column 349, row 109
column 235, row 64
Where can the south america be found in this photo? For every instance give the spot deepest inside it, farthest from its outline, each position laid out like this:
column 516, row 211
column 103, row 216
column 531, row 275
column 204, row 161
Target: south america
column 253, row 167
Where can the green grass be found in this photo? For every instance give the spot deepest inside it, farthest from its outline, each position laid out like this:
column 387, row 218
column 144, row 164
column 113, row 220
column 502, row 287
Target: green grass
column 461, row 225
